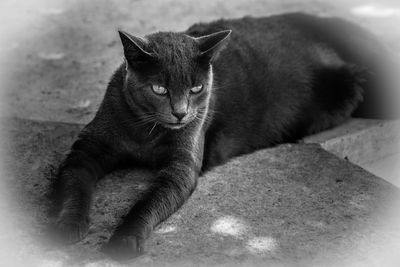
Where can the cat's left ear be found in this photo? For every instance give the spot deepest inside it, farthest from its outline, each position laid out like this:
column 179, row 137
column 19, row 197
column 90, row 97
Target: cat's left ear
column 211, row 45
column 135, row 48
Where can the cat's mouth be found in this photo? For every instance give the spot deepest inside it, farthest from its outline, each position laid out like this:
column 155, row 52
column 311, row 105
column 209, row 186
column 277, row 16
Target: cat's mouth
column 177, row 124
column 174, row 126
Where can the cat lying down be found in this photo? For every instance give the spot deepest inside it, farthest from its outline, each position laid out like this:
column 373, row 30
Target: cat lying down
column 184, row 102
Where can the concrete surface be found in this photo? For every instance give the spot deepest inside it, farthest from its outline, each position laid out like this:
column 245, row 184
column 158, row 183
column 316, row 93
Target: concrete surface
column 371, row 144
column 361, row 141
column 293, row 205
column 388, row 168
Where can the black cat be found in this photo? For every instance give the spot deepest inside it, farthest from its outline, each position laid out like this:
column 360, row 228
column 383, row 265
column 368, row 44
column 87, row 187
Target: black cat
column 182, row 103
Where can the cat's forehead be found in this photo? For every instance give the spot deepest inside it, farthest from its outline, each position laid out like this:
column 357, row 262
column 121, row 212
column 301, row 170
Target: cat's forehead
column 177, row 56
column 171, row 46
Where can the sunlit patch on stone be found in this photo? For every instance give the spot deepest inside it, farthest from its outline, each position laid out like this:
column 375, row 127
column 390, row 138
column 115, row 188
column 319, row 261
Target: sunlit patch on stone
column 166, row 229
column 373, row 10
column 260, row 245
column 51, row 56
column 52, row 11
column 316, row 224
column 357, row 205
column 82, row 104
column 50, row 263
column 228, row 225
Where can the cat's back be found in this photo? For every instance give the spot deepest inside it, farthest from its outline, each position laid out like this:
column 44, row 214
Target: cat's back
column 245, row 27
column 264, row 78
column 252, row 77
column 250, row 34
column 290, row 35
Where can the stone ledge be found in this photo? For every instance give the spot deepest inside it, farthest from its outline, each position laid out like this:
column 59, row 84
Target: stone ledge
column 288, row 205
column 361, row 141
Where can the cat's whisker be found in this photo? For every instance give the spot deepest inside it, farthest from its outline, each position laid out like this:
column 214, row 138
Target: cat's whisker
column 141, row 121
column 206, row 114
column 145, row 115
column 132, row 120
column 222, row 85
column 202, row 116
column 155, row 124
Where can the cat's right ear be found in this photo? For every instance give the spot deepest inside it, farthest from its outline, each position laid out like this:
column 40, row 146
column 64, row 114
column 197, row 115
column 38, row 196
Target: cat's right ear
column 211, row 45
column 134, row 49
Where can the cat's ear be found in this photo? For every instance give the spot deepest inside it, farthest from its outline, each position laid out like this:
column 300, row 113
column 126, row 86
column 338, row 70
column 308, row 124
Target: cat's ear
column 135, row 48
column 211, row 45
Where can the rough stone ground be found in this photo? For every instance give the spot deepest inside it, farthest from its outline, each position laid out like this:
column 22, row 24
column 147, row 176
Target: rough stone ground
column 291, row 205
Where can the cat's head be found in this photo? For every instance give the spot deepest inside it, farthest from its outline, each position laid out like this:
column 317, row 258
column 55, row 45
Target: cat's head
column 168, row 76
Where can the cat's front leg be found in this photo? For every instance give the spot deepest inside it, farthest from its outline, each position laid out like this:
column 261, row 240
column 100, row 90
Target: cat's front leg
column 174, row 184
column 88, row 161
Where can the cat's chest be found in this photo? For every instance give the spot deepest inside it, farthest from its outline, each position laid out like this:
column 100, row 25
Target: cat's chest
column 144, row 151
column 154, row 150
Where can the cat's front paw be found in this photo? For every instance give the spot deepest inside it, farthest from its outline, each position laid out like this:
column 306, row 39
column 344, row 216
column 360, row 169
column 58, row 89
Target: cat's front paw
column 69, row 229
column 124, row 247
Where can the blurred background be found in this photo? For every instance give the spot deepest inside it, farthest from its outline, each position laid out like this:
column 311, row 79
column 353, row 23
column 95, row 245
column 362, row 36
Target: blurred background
column 57, row 56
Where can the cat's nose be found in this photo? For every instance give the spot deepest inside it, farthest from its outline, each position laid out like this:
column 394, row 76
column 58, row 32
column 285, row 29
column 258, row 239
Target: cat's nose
column 179, row 114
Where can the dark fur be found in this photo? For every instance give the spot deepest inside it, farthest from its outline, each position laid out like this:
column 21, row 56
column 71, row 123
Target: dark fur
column 277, row 80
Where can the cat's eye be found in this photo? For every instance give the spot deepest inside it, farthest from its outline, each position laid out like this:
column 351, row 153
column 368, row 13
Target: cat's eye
column 196, row 89
column 159, row 90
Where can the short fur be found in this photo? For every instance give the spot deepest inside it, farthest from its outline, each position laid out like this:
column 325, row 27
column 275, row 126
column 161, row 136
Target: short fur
column 276, row 80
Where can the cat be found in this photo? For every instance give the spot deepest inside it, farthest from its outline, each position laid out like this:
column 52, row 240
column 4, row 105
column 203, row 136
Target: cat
column 182, row 103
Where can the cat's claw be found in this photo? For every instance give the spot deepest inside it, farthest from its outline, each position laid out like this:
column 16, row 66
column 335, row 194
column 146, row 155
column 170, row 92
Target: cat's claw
column 69, row 231
column 123, row 247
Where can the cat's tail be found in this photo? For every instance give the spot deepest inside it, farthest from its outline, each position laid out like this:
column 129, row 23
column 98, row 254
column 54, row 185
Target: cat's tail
column 357, row 46
column 381, row 90
column 381, row 96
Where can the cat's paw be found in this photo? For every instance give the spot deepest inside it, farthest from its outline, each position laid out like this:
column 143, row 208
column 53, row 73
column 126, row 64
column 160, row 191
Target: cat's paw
column 69, row 230
column 123, row 247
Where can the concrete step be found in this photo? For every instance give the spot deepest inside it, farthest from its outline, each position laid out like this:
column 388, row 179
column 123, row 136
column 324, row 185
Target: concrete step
column 371, row 144
column 292, row 205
